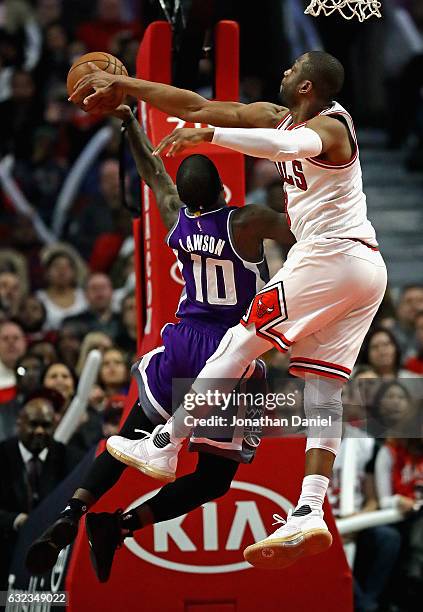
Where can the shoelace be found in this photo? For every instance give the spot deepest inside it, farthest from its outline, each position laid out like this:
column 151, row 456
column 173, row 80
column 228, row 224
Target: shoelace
column 279, row 520
column 147, row 434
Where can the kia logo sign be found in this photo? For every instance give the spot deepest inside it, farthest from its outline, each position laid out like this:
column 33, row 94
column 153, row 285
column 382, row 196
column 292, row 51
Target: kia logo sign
column 226, row 529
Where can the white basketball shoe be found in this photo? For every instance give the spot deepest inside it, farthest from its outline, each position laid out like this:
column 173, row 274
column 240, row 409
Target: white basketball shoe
column 154, row 454
column 304, row 533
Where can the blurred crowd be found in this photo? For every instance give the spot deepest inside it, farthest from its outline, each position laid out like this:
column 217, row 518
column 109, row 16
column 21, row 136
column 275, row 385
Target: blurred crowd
column 67, row 277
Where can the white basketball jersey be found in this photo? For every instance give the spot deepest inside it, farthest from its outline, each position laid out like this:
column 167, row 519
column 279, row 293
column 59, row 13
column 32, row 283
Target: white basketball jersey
column 322, row 199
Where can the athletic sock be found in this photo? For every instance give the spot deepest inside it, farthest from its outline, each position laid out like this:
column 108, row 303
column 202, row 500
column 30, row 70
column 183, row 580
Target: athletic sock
column 175, row 430
column 75, row 509
column 313, row 493
column 161, row 439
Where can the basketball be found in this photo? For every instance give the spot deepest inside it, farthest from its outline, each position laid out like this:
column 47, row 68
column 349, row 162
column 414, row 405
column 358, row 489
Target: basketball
column 104, row 61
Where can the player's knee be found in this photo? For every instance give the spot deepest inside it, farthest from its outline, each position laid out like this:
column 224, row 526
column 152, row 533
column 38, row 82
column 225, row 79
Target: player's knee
column 218, row 487
column 323, row 411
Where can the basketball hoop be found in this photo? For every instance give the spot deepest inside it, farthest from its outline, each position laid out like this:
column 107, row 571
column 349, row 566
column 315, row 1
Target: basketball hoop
column 362, row 9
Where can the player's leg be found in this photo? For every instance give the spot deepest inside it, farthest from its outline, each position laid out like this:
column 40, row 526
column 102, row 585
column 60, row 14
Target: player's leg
column 102, row 476
column 157, row 456
column 305, row 532
column 211, row 479
column 279, row 313
column 325, row 359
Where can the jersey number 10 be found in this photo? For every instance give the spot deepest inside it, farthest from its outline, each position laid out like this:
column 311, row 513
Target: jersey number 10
column 211, row 295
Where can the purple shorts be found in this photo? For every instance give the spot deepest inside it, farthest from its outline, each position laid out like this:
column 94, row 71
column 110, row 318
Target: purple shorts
column 186, row 348
column 183, row 354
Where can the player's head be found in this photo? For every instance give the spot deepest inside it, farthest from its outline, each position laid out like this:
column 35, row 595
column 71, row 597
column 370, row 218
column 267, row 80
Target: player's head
column 316, row 74
column 199, row 184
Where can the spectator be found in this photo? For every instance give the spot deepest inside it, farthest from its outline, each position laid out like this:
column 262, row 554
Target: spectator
column 13, row 261
column 109, row 22
column 68, row 346
column 11, row 293
column 12, row 348
column 42, row 176
column 45, row 350
column 263, row 174
column 28, row 378
column 415, row 362
column 410, row 303
column 48, row 11
column 127, row 337
column 19, row 116
column 29, row 369
column 93, row 340
column 112, row 415
column 114, row 372
column 358, row 394
column 393, row 411
column 399, row 483
column 99, row 315
column 32, row 317
column 101, row 420
column 60, row 378
column 377, row 548
column 61, row 297
column 382, row 353
column 33, row 464
column 102, row 214
column 54, row 63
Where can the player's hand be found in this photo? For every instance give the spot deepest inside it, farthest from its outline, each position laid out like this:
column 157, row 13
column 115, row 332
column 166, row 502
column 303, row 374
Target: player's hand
column 122, row 112
column 102, row 82
column 183, row 138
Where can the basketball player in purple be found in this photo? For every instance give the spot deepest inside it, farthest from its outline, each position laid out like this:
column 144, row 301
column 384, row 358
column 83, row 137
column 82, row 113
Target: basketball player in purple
column 220, row 251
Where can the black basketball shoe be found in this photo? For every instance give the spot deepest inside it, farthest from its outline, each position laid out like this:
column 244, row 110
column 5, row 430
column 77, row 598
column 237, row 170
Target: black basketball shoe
column 105, row 537
column 43, row 552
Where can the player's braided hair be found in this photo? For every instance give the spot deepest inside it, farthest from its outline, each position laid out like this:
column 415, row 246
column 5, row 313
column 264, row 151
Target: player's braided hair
column 198, row 183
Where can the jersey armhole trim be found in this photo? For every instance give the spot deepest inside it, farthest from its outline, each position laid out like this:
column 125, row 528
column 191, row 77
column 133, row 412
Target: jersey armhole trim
column 231, row 242
column 332, row 165
column 174, row 226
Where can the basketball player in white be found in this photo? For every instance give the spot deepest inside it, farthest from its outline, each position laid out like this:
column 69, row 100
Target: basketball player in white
column 321, row 303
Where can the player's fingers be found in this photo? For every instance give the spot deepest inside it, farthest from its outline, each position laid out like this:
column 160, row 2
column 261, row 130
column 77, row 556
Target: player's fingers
column 171, row 151
column 162, row 145
column 94, row 67
column 94, row 97
column 80, row 86
column 176, row 147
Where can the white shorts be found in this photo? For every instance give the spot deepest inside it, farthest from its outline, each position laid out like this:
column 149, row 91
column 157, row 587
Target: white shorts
column 321, row 303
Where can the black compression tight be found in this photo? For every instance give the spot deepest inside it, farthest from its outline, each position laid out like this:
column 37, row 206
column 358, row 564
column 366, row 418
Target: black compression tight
column 211, row 479
column 106, row 470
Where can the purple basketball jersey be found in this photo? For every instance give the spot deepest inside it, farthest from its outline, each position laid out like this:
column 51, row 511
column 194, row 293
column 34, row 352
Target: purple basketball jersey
column 219, row 284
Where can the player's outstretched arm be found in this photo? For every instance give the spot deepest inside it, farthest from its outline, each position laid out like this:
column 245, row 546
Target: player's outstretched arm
column 182, row 103
column 276, row 145
column 150, row 168
column 320, row 135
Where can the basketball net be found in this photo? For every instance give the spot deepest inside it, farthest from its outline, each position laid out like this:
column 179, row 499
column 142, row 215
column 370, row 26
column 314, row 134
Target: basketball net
column 362, row 9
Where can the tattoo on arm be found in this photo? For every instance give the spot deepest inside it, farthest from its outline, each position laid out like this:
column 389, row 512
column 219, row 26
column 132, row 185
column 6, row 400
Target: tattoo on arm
column 153, row 172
